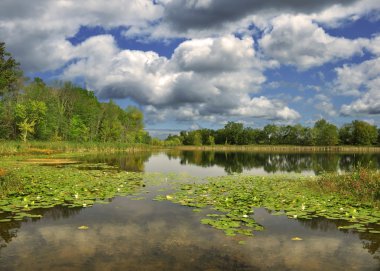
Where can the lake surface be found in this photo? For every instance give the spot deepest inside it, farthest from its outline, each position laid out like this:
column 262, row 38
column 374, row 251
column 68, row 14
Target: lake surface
column 129, row 234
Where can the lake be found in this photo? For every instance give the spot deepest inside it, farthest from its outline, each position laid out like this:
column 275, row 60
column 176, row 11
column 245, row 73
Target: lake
column 132, row 233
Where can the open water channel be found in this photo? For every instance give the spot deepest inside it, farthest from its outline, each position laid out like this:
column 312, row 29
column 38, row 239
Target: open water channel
column 129, row 234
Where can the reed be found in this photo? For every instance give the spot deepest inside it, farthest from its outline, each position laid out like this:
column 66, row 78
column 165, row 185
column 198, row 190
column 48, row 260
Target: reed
column 50, row 147
column 362, row 183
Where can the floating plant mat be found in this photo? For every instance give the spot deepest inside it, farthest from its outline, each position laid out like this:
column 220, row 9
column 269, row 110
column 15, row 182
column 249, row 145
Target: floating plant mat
column 230, row 202
column 45, row 187
column 29, row 186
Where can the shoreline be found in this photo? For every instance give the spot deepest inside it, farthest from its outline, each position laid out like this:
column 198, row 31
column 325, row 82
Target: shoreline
column 283, row 148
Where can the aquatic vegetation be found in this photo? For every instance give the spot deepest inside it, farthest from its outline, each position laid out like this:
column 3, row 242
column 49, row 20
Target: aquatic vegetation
column 46, row 186
column 226, row 203
column 362, row 184
column 231, row 200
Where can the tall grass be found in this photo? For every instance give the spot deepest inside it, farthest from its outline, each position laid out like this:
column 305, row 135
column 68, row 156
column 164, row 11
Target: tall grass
column 362, row 184
column 49, row 147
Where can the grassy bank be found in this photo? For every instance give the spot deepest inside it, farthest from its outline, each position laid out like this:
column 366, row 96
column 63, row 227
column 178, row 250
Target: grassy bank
column 283, row 148
column 42, row 147
column 46, row 147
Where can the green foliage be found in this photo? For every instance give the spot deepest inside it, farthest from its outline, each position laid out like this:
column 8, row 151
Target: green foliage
column 78, row 130
column 358, row 133
column 28, row 115
column 233, row 132
column 322, row 134
column 197, row 140
column 362, row 183
column 364, row 133
column 326, row 134
column 10, row 72
column 35, row 187
column 68, row 112
column 230, row 202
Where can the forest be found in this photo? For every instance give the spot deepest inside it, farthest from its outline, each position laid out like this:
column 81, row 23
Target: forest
column 65, row 112
column 323, row 133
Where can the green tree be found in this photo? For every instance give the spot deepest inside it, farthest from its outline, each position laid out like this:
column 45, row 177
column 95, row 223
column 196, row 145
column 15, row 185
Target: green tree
column 364, row 133
column 10, row 72
column 326, row 134
column 78, row 130
column 210, row 140
column 111, row 127
column 233, row 132
column 28, row 115
column 197, row 139
column 346, row 134
column 271, row 134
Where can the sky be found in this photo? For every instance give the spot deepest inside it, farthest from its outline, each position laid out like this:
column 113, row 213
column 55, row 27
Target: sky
column 192, row 64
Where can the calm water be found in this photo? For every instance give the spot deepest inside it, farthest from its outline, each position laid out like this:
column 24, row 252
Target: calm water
column 150, row 235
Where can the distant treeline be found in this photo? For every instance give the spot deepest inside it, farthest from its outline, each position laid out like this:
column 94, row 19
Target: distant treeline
column 322, row 133
column 65, row 112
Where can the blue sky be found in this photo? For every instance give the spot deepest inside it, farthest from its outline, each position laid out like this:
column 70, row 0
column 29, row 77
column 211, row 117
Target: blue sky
column 200, row 63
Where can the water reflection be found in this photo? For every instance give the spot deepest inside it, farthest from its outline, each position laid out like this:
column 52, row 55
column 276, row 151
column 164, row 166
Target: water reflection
column 9, row 230
column 131, row 161
column 146, row 235
column 238, row 162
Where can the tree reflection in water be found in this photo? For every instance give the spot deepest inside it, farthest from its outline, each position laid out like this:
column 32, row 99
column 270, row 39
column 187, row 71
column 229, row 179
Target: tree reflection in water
column 237, row 162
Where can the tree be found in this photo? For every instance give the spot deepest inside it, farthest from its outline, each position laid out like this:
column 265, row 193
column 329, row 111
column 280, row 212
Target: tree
column 26, row 127
column 10, row 72
column 197, row 139
column 28, row 115
column 346, row 134
column 326, row 134
column 271, row 134
column 78, row 130
column 111, row 127
column 364, row 133
column 210, row 140
column 233, row 131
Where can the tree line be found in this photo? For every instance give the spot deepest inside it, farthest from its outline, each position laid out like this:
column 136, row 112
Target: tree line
column 322, row 133
column 64, row 112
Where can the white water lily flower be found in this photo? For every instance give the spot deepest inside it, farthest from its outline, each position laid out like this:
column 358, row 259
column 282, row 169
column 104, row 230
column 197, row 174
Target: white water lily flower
column 245, row 216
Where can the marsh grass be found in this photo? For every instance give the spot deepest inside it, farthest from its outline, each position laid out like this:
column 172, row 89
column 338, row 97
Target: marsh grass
column 52, row 147
column 10, row 184
column 362, row 184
